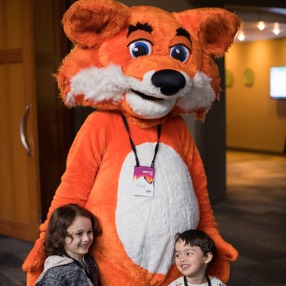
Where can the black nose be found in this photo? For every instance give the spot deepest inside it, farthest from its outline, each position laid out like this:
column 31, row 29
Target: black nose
column 170, row 81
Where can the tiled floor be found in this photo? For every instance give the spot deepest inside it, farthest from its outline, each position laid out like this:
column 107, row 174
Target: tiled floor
column 253, row 219
column 12, row 254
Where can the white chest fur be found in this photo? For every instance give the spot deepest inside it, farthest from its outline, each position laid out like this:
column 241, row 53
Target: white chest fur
column 146, row 225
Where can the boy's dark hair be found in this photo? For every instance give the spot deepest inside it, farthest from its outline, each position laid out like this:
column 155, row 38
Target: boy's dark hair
column 60, row 220
column 195, row 237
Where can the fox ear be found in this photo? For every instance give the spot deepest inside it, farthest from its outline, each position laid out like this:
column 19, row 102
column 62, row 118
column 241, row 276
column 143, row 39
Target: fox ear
column 88, row 23
column 214, row 28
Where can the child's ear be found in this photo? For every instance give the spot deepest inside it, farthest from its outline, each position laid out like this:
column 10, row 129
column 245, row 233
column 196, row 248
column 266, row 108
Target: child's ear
column 208, row 257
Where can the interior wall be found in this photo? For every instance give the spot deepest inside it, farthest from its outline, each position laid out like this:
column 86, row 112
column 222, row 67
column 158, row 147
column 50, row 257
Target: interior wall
column 254, row 121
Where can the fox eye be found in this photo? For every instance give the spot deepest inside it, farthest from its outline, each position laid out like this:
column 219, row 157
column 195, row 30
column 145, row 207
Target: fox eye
column 140, row 48
column 180, row 52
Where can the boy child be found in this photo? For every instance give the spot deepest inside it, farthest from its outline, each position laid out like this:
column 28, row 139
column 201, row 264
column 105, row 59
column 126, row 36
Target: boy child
column 194, row 252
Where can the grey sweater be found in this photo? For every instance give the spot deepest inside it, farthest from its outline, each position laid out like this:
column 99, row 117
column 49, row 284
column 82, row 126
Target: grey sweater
column 62, row 270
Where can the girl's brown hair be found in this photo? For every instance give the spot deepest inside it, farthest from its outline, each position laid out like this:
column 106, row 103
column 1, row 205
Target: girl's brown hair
column 60, row 220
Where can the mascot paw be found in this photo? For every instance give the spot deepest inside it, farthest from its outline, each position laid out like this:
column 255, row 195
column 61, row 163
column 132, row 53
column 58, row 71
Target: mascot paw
column 36, row 258
column 226, row 253
column 226, row 250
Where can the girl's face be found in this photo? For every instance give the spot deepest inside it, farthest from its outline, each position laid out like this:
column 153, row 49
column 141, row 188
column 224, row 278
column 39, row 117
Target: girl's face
column 191, row 261
column 82, row 237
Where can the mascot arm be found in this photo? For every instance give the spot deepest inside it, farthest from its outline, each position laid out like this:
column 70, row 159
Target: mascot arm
column 82, row 164
column 226, row 252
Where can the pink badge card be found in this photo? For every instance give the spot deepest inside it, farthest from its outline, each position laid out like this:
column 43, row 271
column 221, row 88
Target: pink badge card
column 143, row 183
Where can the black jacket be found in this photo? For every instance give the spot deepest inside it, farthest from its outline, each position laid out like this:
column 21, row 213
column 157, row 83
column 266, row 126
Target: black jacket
column 65, row 271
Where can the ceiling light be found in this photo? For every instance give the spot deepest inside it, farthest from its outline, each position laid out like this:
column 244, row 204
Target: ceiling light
column 276, row 29
column 241, row 36
column 261, row 25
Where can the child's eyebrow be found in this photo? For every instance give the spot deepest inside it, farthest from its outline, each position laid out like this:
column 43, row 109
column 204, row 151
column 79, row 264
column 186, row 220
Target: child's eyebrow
column 79, row 230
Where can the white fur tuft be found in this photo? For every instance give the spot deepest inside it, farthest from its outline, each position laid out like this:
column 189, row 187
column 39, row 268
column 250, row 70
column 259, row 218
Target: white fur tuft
column 98, row 84
column 153, row 109
column 201, row 94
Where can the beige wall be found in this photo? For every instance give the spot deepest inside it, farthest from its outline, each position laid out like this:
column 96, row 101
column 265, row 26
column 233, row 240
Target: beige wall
column 253, row 120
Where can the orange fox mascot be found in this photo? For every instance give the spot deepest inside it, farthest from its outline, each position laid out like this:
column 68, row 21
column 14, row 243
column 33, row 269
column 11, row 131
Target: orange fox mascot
column 146, row 66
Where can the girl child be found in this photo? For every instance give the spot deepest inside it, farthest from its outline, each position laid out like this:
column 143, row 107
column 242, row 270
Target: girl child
column 71, row 233
column 194, row 252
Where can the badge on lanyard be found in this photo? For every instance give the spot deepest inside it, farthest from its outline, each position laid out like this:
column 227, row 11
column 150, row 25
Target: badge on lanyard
column 143, row 180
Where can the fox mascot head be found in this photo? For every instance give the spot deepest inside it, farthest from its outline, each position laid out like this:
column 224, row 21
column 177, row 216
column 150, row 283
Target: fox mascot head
column 146, row 66
column 144, row 61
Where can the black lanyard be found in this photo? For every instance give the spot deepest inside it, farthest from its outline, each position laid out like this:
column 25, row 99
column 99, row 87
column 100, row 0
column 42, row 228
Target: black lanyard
column 133, row 146
column 208, row 280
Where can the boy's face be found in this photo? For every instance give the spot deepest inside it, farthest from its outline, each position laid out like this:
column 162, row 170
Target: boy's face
column 190, row 260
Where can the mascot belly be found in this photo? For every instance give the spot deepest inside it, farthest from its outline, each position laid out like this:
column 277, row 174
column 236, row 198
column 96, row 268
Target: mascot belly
column 173, row 208
column 148, row 66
